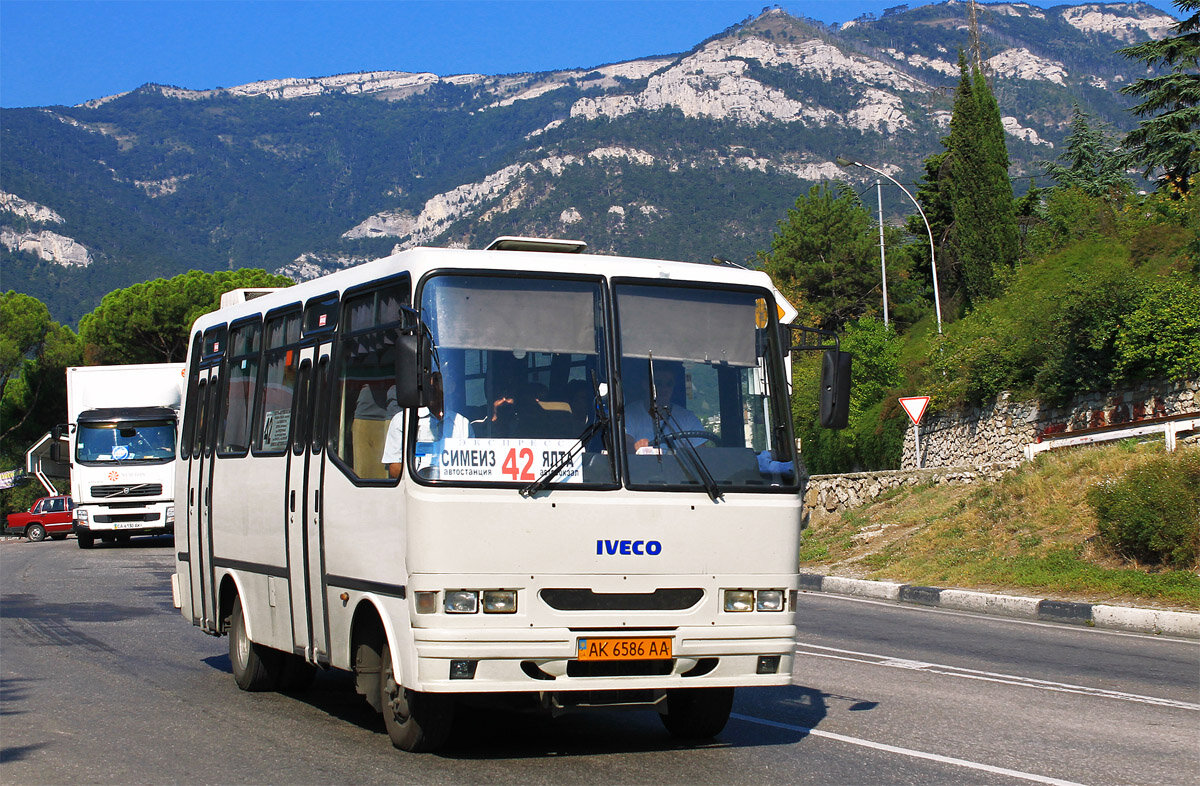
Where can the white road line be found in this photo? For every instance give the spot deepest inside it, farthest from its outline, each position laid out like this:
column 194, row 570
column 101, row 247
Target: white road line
column 935, row 757
column 813, row 650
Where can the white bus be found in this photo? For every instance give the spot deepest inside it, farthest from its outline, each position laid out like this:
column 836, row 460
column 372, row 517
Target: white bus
column 561, row 480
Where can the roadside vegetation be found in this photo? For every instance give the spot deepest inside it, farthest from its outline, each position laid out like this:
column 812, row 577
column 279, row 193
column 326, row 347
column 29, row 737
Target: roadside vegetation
column 1116, row 523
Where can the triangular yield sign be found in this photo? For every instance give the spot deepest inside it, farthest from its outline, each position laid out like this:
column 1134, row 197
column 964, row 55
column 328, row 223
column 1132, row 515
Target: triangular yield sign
column 915, row 407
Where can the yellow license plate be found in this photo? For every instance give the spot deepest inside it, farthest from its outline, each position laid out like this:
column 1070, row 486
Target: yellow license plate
column 625, row 648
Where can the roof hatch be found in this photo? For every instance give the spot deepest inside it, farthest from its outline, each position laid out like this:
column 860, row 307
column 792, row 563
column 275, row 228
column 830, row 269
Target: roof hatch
column 551, row 245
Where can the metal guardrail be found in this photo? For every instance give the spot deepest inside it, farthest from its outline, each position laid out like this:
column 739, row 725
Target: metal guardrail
column 1170, row 427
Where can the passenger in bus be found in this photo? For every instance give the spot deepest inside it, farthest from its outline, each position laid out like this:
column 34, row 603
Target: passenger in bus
column 642, row 430
column 432, row 431
column 373, row 409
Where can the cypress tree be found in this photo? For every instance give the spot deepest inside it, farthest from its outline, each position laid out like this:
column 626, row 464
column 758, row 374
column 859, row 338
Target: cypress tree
column 985, row 235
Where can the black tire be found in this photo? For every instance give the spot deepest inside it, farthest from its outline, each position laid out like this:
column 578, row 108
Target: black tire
column 35, row 532
column 416, row 722
column 697, row 713
column 296, row 674
column 255, row 667
column 85, row 541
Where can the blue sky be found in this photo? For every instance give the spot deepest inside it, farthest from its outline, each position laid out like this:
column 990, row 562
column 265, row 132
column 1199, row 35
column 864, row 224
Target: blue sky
column 69, row 51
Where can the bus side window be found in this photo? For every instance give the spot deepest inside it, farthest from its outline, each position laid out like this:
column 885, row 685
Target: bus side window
column 363, row 394
column 277, row 384
column 192, row 404
column 241, row 372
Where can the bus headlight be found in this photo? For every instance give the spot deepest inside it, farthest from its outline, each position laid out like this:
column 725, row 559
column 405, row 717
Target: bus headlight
column 499, row 601
column 739, row 600
column 769, row 600
column 461, row 602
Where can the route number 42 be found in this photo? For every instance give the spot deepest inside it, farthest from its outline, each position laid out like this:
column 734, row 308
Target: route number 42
column 511, row 464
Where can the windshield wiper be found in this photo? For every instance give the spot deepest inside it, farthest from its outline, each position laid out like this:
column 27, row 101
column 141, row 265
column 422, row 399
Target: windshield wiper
column 568, row 458
column 693, row 455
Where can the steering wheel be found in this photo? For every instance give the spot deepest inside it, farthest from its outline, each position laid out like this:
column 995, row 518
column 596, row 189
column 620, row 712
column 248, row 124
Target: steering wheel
column 670, row 436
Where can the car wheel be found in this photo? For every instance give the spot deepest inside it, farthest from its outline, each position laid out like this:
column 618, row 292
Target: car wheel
column 35, row 532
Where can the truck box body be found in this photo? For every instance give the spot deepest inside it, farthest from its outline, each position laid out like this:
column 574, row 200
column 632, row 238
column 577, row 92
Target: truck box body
column 122, row 422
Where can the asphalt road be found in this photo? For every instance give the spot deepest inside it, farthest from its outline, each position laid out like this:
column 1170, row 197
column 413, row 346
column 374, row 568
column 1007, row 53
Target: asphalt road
column 104, row 682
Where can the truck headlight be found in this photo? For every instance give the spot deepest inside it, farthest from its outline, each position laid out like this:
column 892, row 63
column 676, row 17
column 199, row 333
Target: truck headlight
column 461, row 602
column 171, row 514
column 81, row 515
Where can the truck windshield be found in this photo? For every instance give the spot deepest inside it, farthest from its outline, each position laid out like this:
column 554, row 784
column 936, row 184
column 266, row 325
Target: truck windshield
column 142, row 441
column 521, row 376
column 704, row 400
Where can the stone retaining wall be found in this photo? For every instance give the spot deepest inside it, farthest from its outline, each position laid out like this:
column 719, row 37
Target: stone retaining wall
column 999, row 432
column 828, row 494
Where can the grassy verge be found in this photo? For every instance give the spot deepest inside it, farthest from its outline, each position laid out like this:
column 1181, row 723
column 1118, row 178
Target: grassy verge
column 1032, row 532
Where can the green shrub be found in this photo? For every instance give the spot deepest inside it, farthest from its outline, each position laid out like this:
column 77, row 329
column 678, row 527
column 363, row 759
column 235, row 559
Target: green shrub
column 1161, row 337
column 1152, row 512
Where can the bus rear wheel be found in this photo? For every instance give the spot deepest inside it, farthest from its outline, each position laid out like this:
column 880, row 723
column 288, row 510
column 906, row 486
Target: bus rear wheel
column 255, row 668
column 697, row 713
column 415, row 721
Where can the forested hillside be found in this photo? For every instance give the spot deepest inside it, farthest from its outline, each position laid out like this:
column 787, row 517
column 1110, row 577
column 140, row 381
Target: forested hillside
column 690, row 155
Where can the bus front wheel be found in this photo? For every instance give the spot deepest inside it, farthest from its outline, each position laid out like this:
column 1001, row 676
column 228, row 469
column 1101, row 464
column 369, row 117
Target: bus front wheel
column 415, row 721
column 255, row 668
column 85, row 541
column 697, row 713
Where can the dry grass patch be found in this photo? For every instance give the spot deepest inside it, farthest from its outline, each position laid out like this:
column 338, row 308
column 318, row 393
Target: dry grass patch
column 1031, row 531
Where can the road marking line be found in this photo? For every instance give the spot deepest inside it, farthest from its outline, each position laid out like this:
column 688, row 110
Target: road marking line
column 935, row 757
column 985, row 676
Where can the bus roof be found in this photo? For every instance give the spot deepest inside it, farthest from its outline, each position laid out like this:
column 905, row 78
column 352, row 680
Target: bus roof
column 561, row 257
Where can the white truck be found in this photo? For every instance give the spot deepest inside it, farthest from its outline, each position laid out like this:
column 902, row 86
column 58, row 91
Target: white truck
column 122, row 426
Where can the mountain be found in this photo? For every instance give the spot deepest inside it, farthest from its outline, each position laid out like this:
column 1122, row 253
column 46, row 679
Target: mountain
column 689, row 155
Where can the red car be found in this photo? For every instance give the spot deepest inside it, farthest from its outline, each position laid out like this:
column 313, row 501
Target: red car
column 48, row 516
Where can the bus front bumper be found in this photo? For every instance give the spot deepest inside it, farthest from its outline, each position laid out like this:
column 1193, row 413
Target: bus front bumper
column 546, row 660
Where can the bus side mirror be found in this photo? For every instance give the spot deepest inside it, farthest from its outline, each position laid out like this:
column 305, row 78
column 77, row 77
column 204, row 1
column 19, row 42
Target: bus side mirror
column 410, row 371
column 835, row 389
column 60, row 431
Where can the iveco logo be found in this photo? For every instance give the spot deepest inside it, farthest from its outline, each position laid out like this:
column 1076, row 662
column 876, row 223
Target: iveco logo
column 639, row 547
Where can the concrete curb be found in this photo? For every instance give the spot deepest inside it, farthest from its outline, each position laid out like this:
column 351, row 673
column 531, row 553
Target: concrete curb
column 1172, row 623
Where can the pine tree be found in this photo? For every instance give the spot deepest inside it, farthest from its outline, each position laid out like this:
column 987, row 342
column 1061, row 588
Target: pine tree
column 1091, row 162
column 984, row 235
column 1169, row 135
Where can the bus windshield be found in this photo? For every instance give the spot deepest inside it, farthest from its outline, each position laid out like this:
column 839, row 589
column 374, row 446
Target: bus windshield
column 704, row 400
column 521, row 382
column 140, row 441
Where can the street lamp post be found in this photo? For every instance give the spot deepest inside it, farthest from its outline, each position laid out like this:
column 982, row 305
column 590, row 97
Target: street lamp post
column 882, row 253
column 937, row 300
